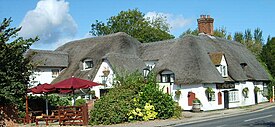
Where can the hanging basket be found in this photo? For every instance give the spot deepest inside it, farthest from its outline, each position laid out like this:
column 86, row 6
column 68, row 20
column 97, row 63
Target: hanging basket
column 256, row 89
column 177, row 93
column 245, row 92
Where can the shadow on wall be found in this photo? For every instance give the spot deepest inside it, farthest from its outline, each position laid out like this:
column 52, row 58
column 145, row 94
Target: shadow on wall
column 8, row 115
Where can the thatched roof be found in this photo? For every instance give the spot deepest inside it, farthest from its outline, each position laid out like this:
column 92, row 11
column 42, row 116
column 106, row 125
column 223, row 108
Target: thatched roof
column 98, row 48
column 187, row 57
column 46, row 58
column 216, row 57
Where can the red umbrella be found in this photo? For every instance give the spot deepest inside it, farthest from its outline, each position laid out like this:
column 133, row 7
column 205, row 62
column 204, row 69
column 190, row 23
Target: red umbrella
column 70, row 84
column 43, row 88
column 74, row 83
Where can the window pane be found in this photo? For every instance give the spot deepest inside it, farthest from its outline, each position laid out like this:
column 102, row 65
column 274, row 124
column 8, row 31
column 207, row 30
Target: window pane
column 88, row 64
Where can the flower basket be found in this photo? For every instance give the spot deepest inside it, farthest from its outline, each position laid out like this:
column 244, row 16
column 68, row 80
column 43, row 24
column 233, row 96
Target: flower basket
column 210, row 94
column 177, row 93
column 256, row 89
column 245, row 92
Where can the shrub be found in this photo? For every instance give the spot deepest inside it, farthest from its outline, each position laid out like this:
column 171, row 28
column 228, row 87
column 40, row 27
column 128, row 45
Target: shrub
column 80, row 102
column 113, row 107
column 132, row 99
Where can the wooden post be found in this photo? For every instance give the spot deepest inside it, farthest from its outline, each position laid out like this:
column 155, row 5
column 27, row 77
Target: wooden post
column 273, row 93
column 27, row 109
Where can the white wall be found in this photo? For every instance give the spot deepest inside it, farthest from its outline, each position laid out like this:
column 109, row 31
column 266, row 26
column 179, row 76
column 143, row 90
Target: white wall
column 164, row 87
column 199, row 90
column 99, row 78
column 42, row 75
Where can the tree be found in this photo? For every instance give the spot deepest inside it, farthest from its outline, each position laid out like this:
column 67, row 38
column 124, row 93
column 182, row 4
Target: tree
column 14, row 71
column 238, row 36
column 135, row 24
column 252, row 42
column 189, row 31
column 220, row 32
column 268, row 55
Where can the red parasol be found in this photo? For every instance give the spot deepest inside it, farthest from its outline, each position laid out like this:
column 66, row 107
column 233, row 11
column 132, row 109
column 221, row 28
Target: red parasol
column 74, row 83
column 70, row 84
column 43, row 88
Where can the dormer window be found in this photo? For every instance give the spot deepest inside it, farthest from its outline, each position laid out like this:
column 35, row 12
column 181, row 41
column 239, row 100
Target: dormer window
column 151, row 64
column 243, row 65
column 167, row 76
column 218, row 59
column 87, row 64
column 55, row 73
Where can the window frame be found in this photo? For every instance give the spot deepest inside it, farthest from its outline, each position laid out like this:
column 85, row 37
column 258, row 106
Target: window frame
column 85, row 65
column 170, row 78
column 54, row 71
column 234, row 96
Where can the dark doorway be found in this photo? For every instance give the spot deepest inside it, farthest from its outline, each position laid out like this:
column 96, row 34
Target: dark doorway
column 256, row 97
column 226, row 99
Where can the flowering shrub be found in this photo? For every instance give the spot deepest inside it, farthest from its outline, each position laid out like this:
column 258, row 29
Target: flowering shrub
column 147, row 113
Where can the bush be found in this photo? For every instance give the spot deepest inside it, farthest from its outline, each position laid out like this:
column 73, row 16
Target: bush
column 80, row 102
column 132, row 99
column 113, row 107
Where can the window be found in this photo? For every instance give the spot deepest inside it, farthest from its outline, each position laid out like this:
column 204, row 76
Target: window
column 87, row 64
column 224, row 70
column 55, row 73
column 233, row 96
column 167, row 77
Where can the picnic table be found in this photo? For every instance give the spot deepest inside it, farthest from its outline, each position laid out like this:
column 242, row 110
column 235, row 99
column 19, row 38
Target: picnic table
column 67, row 115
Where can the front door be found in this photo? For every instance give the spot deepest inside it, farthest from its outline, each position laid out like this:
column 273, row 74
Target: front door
column 226, row 99
column 256, row 97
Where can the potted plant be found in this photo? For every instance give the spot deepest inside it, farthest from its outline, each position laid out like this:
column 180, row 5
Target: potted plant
column 245, row 92
column 196, row 105
column 177, row 94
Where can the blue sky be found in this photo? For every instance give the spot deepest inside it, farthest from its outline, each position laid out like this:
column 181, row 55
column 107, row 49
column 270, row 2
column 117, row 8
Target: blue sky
column 57, row 22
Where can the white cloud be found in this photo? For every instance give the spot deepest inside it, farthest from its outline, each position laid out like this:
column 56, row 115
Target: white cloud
column 51, row 21
column 175, row 21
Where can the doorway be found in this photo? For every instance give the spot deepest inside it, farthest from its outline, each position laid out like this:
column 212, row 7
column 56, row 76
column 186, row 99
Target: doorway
column 226, row 99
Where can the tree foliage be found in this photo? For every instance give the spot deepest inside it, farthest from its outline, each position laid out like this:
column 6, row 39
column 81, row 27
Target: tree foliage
column 219, row 32
column 135, row 24
column 252, row 41
column 14, row 71
column 268, row 55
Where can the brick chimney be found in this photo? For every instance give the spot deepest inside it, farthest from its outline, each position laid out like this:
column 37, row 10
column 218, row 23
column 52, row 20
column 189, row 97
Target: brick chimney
column 205, row 24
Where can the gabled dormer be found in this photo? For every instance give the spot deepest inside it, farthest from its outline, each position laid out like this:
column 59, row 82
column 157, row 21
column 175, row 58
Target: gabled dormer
column 218, row 59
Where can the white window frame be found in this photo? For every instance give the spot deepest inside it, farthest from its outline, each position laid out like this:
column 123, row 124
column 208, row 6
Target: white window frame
column 167, row 77
column 55, row 73
column 85, row 65
column 234, row 96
